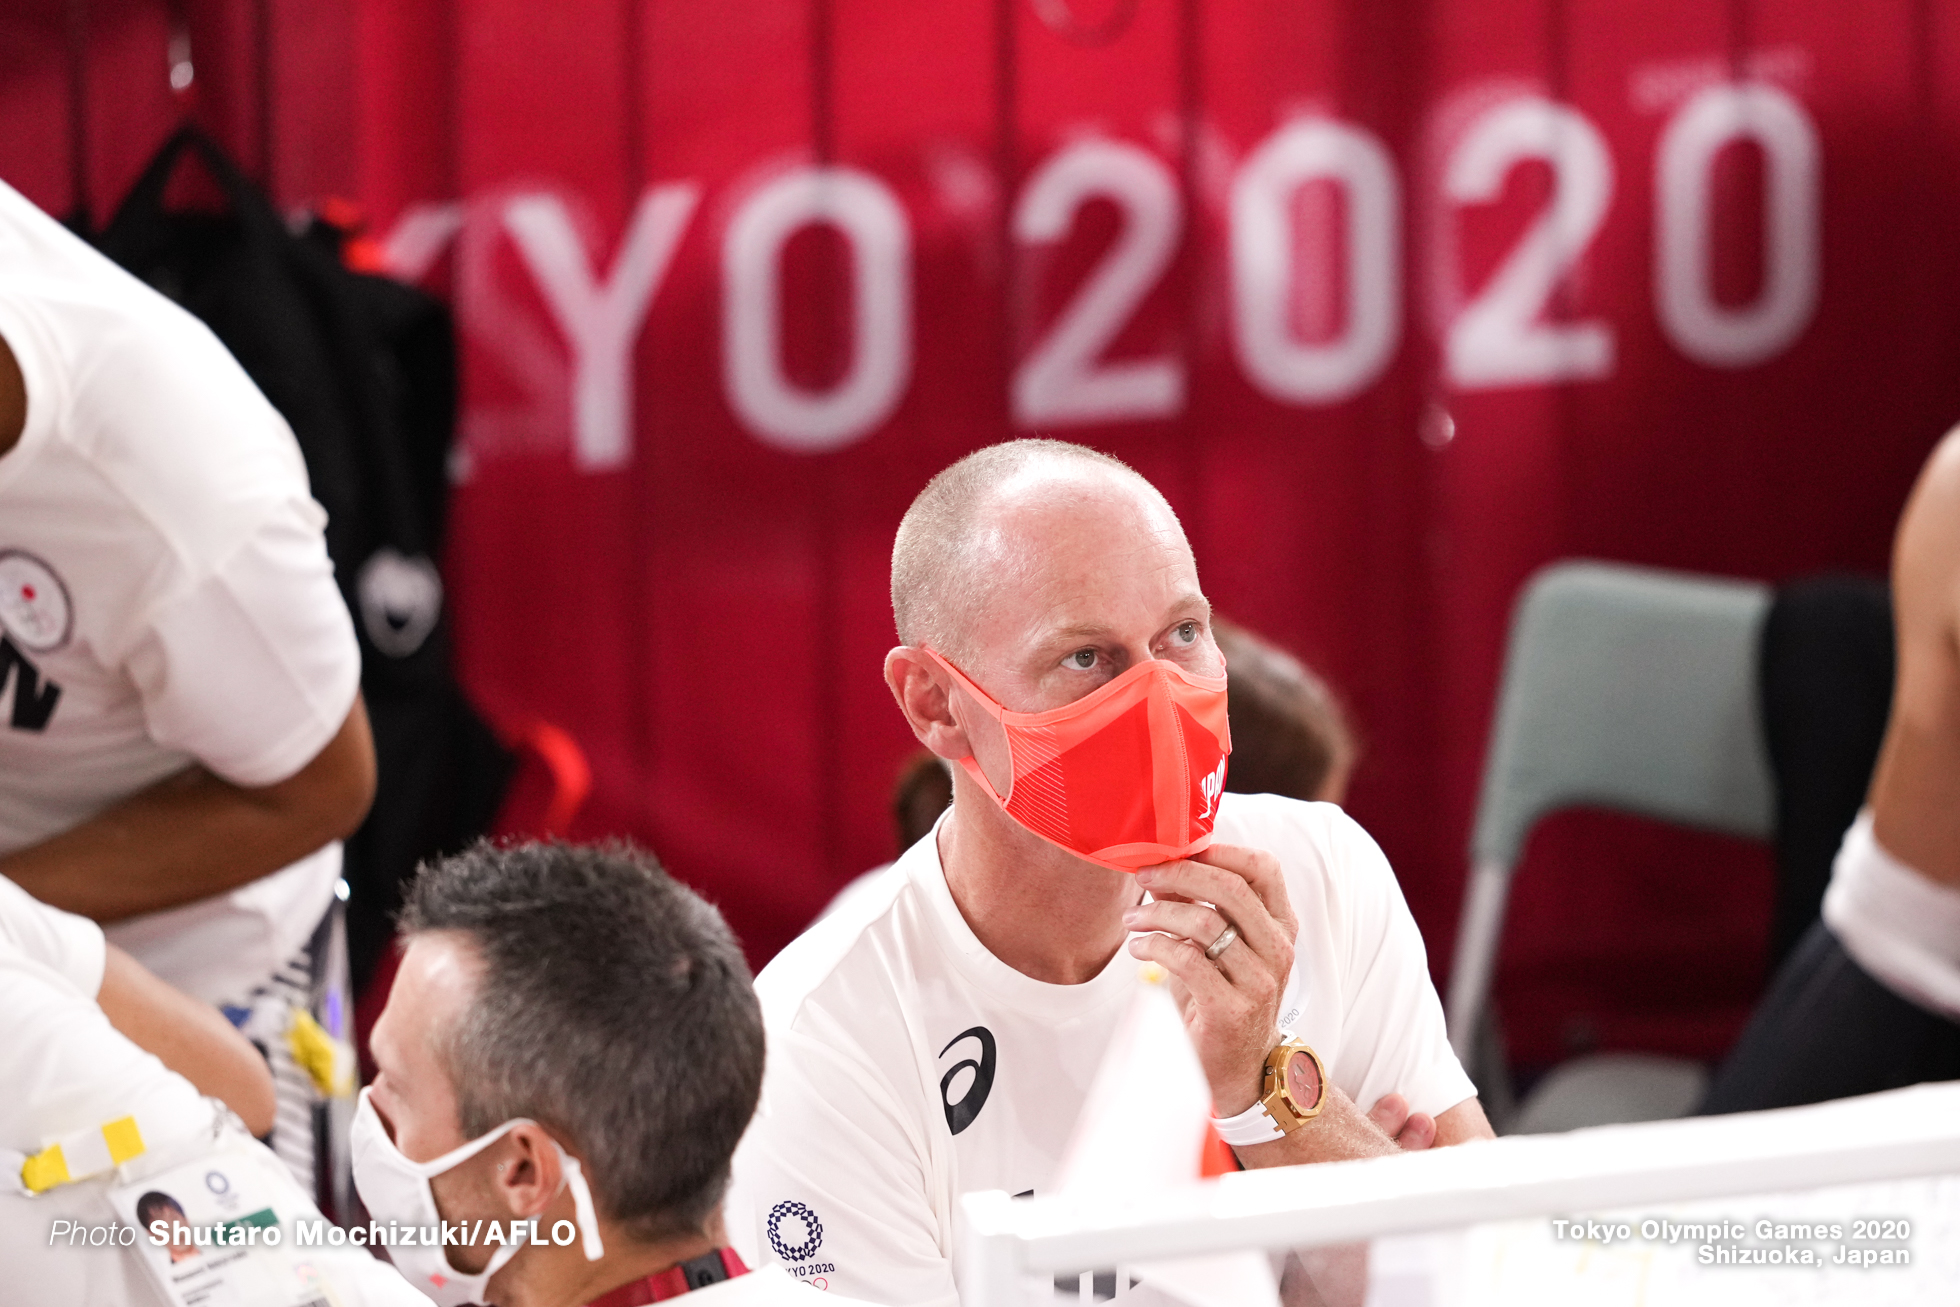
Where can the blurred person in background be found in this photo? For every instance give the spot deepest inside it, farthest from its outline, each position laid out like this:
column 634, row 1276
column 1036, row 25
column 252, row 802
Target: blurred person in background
column 923, row 791
column 113, row 1082
column 573, row 1041
column 183, row 741
column 1289, row 735
column 939, row 1036
column 1870, row 998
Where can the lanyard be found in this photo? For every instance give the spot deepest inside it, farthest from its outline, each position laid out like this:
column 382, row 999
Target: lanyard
column 709, row 1268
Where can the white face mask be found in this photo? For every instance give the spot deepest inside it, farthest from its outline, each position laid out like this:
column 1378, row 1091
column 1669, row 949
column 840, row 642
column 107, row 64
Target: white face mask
column 397, row 1190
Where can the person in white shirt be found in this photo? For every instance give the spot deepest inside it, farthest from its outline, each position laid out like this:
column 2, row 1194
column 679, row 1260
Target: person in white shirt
column 93, row 1041
column 182, row 741
column 571, row 1049
column 940, row 1036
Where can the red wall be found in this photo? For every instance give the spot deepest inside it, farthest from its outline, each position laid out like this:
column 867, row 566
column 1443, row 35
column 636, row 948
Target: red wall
column 683, row 562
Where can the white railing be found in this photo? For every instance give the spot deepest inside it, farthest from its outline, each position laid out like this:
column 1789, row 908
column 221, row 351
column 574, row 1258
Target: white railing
column 1906, row 1133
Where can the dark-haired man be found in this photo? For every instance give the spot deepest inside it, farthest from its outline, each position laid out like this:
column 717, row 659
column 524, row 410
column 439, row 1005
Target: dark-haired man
column 572, row 1047
column 1289, row 735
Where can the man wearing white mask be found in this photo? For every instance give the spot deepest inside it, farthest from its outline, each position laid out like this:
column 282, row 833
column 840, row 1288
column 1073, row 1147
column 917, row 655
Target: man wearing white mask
column 570, row 1052
column 940, row 1036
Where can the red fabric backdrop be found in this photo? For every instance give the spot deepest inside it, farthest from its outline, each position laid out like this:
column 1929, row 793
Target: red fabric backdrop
column 1395, row 300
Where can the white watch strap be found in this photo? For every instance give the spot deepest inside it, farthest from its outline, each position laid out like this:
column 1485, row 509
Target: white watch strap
column 1255, row 1125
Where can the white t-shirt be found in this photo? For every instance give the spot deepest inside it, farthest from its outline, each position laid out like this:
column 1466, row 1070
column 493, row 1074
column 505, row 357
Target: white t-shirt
column 165, row 591
column 908, row 1065
column 68, row 1070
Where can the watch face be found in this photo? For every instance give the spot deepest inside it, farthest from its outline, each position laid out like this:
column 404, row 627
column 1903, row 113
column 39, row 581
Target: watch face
column 1303, row 1081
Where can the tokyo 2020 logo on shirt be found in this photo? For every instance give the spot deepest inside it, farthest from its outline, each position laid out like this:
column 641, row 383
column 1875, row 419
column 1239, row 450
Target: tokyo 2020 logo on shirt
column 34, row 607
column 784, row 1222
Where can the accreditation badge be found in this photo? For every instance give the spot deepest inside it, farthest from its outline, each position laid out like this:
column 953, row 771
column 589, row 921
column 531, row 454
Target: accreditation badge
column 218, row 1231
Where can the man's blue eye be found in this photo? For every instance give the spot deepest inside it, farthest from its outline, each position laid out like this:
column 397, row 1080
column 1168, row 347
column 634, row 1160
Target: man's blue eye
column 1083, row 658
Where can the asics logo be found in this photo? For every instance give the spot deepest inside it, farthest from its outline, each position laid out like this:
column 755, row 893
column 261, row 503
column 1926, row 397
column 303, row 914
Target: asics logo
column 959, row 1115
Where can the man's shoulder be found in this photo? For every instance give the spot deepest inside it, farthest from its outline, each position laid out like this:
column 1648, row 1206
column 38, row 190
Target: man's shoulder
column 184, row 419
column 840, row 1005
column 109, row 339
column 1927, row 567
column 144, row 395
column 71, row 946
column 847, row 954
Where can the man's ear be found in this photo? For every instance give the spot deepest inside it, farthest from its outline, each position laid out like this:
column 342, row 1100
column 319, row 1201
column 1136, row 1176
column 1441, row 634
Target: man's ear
column 925, row 695
column 528, row 1174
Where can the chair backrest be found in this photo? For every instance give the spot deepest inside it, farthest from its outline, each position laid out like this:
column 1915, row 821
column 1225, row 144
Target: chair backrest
column 1625, row 688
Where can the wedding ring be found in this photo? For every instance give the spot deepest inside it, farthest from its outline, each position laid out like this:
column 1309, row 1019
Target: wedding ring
column 1223, row 942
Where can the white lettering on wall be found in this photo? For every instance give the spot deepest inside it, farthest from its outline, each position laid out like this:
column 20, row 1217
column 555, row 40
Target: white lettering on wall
column 1264, row 271
column 1684, row 241
column 1502, row 336
column 872, row 222
column 1063, row 380
column 601, row 319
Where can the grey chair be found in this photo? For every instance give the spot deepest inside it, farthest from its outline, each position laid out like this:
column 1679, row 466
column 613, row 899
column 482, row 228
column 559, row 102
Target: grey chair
column 1629, row 689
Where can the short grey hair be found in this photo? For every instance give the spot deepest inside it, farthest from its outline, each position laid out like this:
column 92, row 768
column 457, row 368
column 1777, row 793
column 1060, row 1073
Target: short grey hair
column 614, row 1006
column 934, row 585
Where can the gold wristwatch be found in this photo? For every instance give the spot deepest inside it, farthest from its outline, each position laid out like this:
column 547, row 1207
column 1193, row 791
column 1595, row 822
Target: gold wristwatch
column 1295, row 1085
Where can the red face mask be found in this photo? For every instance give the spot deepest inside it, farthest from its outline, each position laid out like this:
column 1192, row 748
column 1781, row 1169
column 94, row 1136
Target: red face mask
column 1128, row 776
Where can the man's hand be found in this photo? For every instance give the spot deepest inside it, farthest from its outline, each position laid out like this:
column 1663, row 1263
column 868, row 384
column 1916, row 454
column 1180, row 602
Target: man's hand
column 1231, row 1002
column 1413, row 1131
column 1231, row 1005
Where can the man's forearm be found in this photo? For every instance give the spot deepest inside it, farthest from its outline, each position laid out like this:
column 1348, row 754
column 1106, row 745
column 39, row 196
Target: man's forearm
column 193, row 835
column 191, row 1038
column 1342, row 1132
column 186, row 838
column 1465, row 1123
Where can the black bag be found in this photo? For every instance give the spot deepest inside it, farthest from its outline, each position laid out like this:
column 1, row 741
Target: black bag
column 364, row 370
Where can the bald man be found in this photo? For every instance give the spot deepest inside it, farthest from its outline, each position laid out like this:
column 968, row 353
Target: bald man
column 938, row 1035
column 1870, row 999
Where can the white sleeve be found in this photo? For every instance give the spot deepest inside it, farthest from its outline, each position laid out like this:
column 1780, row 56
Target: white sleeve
column 253, row 669
column 834, row 1186
column 1393, row 1038
column 68, row 945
